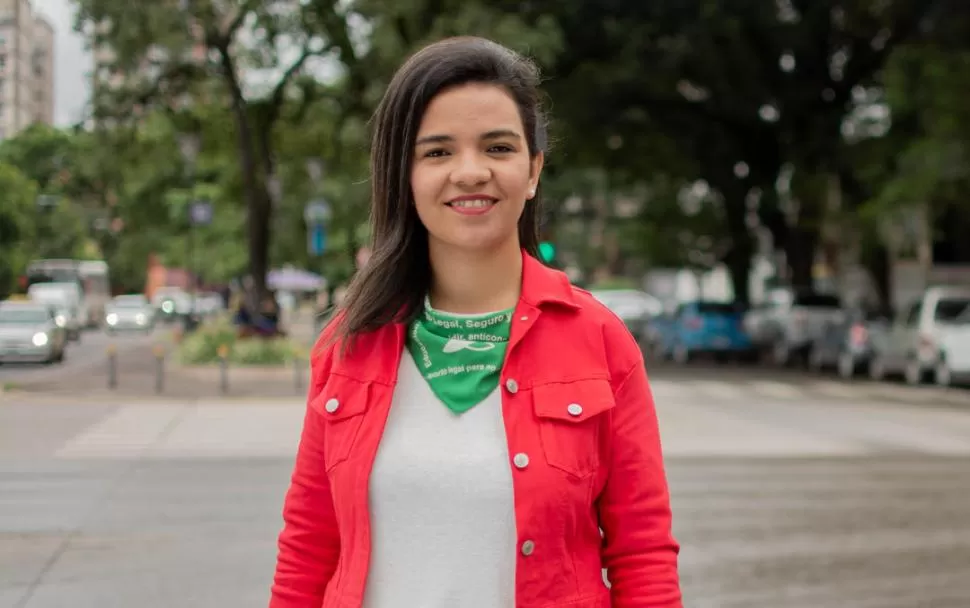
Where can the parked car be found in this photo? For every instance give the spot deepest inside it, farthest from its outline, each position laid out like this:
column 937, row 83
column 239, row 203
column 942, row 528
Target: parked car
column 847, row 345
column 129, row 313
column 29, row 333
column 790, row 322
column 931, row 337
column 636, row 308
column 702, row 327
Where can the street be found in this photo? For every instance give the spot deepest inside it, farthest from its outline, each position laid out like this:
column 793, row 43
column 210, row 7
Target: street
column 89, row 353
column 788, row 490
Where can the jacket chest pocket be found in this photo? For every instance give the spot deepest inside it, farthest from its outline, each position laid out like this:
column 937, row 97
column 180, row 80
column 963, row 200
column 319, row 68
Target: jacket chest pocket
column 342, row 404
column 570, row 423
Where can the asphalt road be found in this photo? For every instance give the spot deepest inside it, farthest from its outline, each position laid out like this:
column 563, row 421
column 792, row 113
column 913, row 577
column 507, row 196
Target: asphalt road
column 89, row 354
column 784, row 494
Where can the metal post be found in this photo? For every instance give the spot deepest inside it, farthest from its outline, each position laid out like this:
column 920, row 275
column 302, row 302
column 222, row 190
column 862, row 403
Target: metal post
column 159, row 369
column 193, row 276
column 298, row 374
column 112, row 366
column 224, row 369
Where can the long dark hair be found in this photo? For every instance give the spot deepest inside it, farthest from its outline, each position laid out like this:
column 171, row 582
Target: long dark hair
column 392, row 285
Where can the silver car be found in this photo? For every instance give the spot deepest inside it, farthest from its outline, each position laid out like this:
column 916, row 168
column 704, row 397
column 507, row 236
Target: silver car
column 129, row 313
column 29, row 333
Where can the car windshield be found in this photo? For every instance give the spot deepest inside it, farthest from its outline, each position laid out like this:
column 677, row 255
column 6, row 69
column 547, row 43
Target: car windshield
column 22, row 316
column 953, row 310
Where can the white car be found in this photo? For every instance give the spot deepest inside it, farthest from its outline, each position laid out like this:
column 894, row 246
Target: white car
column 930, row 338
column 30, row 334
column 129, row 312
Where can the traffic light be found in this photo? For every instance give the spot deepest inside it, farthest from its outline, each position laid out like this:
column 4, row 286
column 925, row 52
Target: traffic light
column 547, row 251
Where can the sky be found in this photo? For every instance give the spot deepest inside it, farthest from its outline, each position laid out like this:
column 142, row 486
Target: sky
column 72, row 62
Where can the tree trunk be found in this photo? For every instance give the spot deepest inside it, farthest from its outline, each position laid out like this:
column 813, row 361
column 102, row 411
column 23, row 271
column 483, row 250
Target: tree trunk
column 259, row 211
column 811, row 192
column 875, row 259
column 800, row 255
column 738, row 257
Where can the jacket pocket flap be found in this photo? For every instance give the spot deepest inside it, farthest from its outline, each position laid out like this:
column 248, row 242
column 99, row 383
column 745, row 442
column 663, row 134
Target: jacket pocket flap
column 342, row 398
column 574, row 401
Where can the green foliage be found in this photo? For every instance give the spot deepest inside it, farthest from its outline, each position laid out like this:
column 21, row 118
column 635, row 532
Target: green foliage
column 17, row 230
column 928, row 156
column 647, row 99
column 614, row 283
column 202, row 347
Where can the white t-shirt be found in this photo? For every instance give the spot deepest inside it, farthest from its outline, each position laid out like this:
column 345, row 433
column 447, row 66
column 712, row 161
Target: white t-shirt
column 441, row 504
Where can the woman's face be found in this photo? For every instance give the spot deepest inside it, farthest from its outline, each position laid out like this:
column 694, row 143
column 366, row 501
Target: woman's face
column 472, row 173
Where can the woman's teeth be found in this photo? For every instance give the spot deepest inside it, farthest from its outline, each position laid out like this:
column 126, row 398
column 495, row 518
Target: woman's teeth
column 475, row 204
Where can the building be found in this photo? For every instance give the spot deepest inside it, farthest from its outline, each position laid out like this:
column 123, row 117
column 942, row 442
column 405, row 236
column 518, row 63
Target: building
column 26, row 68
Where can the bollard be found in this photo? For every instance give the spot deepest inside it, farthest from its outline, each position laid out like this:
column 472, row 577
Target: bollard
column 112, row 366
column 224, row 369
column 298, row 374
column 159, row 351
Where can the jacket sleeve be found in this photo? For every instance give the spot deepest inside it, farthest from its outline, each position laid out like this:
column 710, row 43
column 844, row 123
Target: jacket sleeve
column 309, row 544
column 639, row 551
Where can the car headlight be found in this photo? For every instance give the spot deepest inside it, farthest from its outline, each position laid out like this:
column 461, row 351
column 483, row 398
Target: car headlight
column 111, row 319
column 168, row 306
column 40, row 339
column 140, row 319
column 60, row 320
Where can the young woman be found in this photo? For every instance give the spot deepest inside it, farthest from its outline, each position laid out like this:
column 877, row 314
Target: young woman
column 480, row 433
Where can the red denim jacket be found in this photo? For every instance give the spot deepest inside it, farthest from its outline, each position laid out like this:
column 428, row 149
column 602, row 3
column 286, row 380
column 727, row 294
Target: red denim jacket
column 575, row 398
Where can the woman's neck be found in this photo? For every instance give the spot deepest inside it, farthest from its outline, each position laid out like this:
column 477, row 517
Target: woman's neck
column 476, row 282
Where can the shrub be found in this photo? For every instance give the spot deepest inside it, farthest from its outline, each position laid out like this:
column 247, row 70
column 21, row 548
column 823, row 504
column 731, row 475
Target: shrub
column 201, row 347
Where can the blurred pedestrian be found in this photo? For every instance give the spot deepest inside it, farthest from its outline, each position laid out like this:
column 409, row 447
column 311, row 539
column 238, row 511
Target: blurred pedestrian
column 479, row 433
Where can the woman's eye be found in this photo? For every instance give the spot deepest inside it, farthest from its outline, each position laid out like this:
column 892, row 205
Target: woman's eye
column 438, row 152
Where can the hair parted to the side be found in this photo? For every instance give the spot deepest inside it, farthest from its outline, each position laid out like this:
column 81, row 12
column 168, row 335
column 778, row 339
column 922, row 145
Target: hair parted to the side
column 393, row 284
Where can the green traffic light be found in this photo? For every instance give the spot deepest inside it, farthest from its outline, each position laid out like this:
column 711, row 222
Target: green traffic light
column 547, row 251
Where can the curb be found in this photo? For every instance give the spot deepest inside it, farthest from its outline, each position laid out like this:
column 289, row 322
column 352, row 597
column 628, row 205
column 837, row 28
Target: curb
column 161, row 400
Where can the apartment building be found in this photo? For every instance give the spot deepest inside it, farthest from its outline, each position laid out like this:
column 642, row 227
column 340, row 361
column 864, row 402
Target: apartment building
column 26, row 68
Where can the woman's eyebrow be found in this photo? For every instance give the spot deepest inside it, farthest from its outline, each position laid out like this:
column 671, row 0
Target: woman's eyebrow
column 488, row 135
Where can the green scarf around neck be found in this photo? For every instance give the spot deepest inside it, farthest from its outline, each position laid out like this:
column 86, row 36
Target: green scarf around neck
column 460, row 356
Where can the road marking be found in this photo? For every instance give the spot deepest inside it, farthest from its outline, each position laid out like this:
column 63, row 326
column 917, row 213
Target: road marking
column 720, row 389
column 778, row 390
column 129, row 430
column 674, row 390
column 836, row 389
column 241, row 431
column 692, row 430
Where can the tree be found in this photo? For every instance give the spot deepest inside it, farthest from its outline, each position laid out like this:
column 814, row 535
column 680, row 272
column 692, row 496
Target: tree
column 749, row 86
column 174, row 58
column 44, row 156
column 16, row 226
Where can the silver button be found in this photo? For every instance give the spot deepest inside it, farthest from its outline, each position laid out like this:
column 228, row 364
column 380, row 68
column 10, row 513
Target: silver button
column 523, row 318
column 528, row 547
column 521, row 460
column 331, row 405
column 574, row 409
column 512, row 386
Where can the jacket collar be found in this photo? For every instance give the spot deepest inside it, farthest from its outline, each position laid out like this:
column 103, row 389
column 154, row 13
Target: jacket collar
column 377, row 355
column 542, row 285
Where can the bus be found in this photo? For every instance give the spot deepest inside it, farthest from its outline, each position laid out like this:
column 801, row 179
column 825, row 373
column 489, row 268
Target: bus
column 91, row 275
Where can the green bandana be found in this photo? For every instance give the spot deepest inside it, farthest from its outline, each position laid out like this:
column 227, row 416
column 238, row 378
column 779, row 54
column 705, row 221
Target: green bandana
column 460, row 356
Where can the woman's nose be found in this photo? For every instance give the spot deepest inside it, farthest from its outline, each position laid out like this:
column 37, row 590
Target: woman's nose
column 470, row 170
